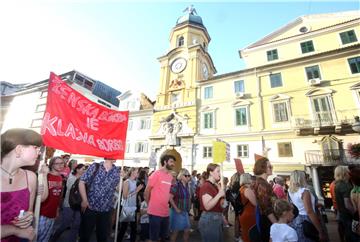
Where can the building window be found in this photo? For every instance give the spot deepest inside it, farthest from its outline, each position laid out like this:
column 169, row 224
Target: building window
column 43, row 94
column 36, row 123
column 241, row 116
column 354, row 64
column 181, row 41
column 322, row 110
column 312, row 72
column 275, row 80
column 145, row 124
column 208, row 92
column 141, row 147
column 207, row 152
column 175, row 97
column 307, row 47
column 243, row 151
column 104, row 103
column 285, row 149
column 209, row 120
column 239, row 86
column 280, row 112
column 348, row 37
column 272, row 55
column 130, row 124
column 84, row 82
column 40, row 108
column 127, row 147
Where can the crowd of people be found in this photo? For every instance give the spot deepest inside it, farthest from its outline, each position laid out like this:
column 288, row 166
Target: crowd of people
column 162, row 202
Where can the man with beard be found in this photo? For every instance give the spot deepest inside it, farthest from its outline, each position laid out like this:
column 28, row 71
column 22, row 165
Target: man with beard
column 157, row 195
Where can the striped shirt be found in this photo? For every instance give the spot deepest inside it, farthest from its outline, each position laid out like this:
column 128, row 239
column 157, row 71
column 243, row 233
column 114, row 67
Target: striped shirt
column 181, row 195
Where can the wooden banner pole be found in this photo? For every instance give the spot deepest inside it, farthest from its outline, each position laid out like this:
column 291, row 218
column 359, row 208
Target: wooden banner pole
column 40, row 179
column 119, row 201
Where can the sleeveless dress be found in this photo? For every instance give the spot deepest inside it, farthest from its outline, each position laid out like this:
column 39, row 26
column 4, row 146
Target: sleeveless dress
column 247, row 218
column 11, row 204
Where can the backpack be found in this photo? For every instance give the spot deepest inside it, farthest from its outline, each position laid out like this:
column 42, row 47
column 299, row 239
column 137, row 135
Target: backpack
column 74, row 194
column 234, row 197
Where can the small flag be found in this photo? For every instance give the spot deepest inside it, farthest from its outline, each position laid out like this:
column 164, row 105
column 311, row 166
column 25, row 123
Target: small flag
column 239, row 166
column 259, row 157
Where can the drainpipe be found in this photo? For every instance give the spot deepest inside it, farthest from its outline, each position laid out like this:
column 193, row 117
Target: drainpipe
column 260, row 99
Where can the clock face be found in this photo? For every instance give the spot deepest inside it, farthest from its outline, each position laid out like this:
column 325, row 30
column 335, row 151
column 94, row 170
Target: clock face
column 205, row 71
column 178, row 65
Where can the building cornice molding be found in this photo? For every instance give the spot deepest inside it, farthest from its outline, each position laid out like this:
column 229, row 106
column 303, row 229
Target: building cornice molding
column 351, row 49
column 242, row 134
column 336, row 27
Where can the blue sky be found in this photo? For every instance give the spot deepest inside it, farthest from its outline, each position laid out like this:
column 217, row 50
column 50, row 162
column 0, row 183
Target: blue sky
column 119, row 42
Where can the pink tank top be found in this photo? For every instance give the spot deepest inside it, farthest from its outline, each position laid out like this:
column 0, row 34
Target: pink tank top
column 11, row 204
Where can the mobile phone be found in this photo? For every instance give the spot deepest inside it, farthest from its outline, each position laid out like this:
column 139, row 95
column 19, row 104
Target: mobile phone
column 21, row 213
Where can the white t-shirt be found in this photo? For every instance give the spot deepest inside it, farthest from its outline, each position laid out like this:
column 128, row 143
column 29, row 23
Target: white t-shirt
column 282, row 233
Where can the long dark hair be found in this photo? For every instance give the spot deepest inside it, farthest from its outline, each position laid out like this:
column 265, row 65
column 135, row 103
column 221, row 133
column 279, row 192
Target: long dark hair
column 78, row 167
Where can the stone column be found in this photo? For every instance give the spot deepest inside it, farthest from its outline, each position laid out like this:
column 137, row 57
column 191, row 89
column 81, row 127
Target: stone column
column 316, row 184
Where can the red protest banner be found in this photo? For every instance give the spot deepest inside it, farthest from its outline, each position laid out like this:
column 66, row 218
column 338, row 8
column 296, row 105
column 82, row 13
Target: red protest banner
column 239, row 166
column 75, row 124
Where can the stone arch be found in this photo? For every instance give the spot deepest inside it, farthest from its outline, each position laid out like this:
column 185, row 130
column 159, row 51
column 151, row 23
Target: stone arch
column 176, row 154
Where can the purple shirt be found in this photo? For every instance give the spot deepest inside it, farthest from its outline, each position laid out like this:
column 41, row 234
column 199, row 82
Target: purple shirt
column 102, row 188
column 181, row 195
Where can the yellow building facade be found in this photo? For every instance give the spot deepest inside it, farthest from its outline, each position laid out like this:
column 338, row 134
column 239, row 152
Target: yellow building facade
column 294, row 102
column 187, row 61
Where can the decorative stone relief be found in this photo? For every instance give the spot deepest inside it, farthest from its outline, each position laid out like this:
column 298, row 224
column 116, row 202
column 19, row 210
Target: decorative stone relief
column 174, row 126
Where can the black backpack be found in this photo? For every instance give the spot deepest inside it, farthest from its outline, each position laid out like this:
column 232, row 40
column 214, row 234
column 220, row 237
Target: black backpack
column 74, row 195
column 234, row 197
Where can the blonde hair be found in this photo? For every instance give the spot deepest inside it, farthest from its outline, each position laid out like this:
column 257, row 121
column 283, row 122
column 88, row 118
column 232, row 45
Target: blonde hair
column 297, row 180
column 182, row 172
column 131, row 170
column 340, row 173
column 281, row 206
column 245, row 179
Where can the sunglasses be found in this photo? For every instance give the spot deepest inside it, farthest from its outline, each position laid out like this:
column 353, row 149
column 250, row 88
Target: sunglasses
column 186, row 175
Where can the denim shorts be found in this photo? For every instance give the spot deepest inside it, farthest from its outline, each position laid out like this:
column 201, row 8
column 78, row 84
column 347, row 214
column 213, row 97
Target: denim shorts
column 158, row 227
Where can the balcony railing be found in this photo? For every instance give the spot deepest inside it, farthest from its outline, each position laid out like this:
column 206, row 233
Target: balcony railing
column 323, row 119
column 332, row 157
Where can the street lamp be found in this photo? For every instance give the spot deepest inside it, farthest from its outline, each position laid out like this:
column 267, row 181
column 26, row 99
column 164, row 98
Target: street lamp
column 356, row 125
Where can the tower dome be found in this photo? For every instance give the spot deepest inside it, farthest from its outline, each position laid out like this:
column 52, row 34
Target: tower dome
column 190, row 16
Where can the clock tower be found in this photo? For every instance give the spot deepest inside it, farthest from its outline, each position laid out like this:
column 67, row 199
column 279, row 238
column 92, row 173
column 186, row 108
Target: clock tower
column 187, row 62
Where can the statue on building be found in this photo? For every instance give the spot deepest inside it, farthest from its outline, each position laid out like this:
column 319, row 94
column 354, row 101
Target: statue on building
column 171, row 131
column 172, row 126
column 191, row 10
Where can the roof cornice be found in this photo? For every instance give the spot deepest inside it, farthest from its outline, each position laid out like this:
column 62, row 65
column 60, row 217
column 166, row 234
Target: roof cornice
column 258, row 69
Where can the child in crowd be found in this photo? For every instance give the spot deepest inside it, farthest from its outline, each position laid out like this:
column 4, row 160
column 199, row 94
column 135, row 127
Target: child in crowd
column 144, row 221
column 281, row 231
